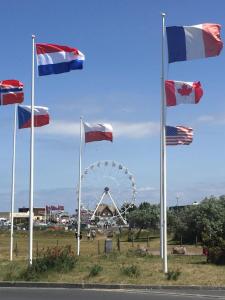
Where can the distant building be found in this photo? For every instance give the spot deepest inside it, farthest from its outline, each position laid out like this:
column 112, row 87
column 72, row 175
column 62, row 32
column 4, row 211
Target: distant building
column 195, row 203
column 63, row 218
column 181, row 207
column 39, row 213
column 105, row 211
column 19, row 217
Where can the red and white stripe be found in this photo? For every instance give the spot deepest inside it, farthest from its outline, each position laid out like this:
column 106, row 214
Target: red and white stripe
column 207, row 41
column 41, row 116
column 54, row 54
column 180, row 92
column 98, row 132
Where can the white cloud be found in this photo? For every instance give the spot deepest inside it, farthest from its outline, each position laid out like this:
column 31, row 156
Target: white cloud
column 61, row 128
column 146, row 189
column 135, row 130
column 210, row 119
column 125, row 129
column 206, row 118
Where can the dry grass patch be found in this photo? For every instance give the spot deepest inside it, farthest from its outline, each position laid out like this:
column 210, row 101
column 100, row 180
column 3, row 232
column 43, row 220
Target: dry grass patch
column 193, row 269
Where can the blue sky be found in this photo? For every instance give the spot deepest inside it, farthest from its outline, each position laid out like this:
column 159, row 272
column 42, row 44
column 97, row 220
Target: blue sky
column 120, row 84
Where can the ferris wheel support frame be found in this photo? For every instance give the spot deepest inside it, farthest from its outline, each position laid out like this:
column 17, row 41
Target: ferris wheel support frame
column 106, row 192
column 93, row 215
column 123, row 170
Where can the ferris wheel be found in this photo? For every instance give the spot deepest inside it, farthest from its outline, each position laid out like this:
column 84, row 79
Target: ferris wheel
column 108, row 183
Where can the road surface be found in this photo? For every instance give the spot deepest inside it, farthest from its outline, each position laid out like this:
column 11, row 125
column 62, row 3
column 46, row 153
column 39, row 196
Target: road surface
column 15, row 293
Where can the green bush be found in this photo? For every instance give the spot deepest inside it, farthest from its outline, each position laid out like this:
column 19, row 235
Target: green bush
column 60, row 259
column 131, row 271
column 216, row 255
column 139, row 252
column 95, row 270
column 173, row 275
column 12, row 272
column 110, row 256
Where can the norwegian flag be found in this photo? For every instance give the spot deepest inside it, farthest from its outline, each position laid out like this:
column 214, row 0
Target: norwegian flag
column 11, row 92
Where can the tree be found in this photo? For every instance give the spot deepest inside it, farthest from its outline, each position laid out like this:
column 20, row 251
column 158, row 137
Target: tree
column 127, row 207
column 145, row 217
column 204, row 221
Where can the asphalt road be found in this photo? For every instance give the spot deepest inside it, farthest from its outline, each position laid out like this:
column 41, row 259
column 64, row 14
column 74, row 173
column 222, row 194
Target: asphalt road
column 14, row 293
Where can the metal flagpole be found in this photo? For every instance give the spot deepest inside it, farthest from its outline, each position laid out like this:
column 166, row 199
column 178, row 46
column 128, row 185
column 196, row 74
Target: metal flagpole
column 31, row 160
column 13, row 182
column 45, row 215
column 163, row 216
column 79, row 190
column 161, row 142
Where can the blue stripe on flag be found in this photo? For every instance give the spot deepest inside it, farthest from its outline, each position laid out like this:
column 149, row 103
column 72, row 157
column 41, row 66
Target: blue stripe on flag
column 176, row 43
column 60, row 67
column 11, row 90
column 23, row 116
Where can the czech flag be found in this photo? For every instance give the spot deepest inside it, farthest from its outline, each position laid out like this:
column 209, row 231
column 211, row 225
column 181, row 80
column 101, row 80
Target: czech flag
column 56, row 59
column 193, row 42
column 180, row 92
column 41, row 116
column 11, row 92
column 98, row 132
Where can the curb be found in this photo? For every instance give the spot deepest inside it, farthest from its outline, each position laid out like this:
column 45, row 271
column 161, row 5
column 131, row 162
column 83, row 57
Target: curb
column 106, row 286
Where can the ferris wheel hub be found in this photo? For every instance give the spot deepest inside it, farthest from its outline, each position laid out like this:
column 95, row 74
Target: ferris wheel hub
column 106, row 189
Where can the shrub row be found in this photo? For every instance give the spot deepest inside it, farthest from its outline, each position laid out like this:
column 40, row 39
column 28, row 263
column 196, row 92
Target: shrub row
column 60, row 259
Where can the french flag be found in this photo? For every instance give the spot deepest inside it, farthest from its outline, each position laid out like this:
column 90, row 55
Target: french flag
column 41, row 116
column 180, row 92
column 11, row 92
column 193, row 42
column 56, row 59
column 98, row 132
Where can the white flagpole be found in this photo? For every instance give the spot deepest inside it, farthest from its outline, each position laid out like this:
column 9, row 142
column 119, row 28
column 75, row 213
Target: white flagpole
column 13, row 182
column 163, row 216
column 79, row 190
column 31, row 161
column 45, row 215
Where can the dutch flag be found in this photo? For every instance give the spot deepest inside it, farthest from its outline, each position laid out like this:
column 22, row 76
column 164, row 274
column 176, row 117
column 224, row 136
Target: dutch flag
column 56, row 59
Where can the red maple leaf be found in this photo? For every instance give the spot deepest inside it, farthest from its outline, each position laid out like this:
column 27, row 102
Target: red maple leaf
column 185, row 90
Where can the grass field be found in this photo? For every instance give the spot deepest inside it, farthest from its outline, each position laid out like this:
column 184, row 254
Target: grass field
column 193, row 268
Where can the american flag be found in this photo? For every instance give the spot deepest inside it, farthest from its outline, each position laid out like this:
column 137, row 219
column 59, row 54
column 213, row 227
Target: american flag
column 178, row 135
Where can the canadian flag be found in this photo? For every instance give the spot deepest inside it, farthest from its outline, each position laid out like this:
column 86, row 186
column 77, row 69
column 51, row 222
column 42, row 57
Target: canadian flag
column 180, row 92
column 98, row 132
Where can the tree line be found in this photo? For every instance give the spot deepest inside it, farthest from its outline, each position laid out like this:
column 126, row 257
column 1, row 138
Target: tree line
column 203, row 223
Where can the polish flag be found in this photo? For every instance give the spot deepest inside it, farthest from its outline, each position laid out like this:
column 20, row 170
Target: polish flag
column 179, row 92
column 98, row 132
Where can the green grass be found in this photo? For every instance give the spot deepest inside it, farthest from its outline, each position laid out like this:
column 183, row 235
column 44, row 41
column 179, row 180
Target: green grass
column 193, row 271
column 193, row 268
